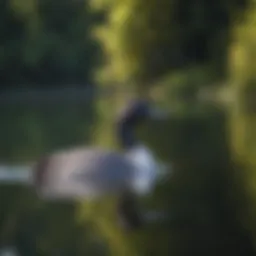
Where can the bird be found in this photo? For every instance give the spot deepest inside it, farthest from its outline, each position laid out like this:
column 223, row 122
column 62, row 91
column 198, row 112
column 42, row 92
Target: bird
column 92, row 172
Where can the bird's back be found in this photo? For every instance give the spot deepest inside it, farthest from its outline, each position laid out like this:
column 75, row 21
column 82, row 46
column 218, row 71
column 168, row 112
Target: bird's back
column 83, row 173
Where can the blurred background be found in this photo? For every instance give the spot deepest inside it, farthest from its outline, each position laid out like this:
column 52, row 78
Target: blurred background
column 66, row 67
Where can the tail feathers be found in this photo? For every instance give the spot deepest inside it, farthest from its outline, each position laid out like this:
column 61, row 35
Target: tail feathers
column 40, row 172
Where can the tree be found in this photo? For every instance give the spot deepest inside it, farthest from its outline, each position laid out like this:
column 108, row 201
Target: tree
column 185, row 36
column 46, row 43
column 144, row 40
column 43, row 44
column 242, row 115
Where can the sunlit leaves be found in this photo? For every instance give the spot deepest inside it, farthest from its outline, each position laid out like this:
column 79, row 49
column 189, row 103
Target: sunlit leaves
column 130, row 39
column 24, row 8
column 242, row 117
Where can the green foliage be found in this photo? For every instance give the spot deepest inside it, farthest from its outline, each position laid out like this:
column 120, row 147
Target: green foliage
column 179, row 47
column 143, row 45
column 180, row 91
column 45, row 43
column 242, row 114
column 143, row 40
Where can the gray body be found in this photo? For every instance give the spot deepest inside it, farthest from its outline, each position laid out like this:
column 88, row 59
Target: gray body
column 84, row 173
column 89, row 173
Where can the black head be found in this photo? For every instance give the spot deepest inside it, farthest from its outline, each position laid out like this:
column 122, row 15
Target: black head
column 134, row 114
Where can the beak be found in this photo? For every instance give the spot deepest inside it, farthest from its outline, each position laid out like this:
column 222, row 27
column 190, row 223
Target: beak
column 158, row 114
column 164, row 171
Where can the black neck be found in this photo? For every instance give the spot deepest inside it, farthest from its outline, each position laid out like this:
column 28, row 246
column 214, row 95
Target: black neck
column 135, row 114
column 126, row 135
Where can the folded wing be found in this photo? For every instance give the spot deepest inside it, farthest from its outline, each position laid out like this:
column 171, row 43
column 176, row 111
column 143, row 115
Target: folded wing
column 84, row 173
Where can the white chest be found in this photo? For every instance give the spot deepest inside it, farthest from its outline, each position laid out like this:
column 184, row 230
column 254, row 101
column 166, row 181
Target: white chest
column 145, row 169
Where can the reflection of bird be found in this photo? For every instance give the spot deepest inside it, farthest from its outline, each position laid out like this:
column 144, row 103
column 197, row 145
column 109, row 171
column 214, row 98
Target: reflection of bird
column 93, row 172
